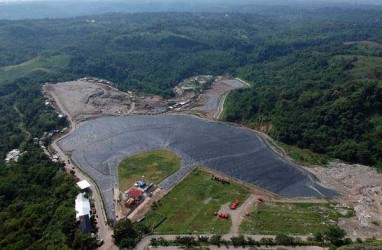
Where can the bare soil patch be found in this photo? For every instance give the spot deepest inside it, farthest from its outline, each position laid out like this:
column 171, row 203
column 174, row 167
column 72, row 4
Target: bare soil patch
column 84, row 99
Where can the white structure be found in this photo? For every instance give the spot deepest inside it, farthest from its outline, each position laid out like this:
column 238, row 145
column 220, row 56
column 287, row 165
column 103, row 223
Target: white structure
column 12, row 155
column 83, row 184
column 82, row 206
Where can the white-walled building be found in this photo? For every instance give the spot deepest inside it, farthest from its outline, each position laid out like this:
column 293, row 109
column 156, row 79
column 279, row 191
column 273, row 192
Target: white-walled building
column 82, row 206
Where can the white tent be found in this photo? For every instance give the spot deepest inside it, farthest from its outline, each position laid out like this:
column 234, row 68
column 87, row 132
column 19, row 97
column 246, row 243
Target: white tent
column 82, row 205
column 83, row 184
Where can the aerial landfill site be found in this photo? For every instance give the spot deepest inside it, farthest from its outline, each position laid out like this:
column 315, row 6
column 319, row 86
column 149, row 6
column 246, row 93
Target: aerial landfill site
column 109, row 125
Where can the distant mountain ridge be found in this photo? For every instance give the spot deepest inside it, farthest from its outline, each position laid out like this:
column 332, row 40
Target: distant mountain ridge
column 30, row 9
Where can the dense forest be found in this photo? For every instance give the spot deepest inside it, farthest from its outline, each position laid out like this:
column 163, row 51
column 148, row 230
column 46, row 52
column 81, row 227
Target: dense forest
column 37, row 204
column 309, row 88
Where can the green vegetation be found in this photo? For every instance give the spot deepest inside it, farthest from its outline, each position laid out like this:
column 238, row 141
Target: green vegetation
column 332, row 237
column 37, row 205
column 51, row 65
column 25, row 96
column 126, row 234
column 369, row 244
column 304, row 156
column 36, row 197
column 189, row 207
column 298, row 219
column 326, row 102
column 154, row 165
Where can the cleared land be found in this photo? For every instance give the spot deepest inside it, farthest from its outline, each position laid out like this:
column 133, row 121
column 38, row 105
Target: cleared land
column 53, row 64
column 189, row 207
column 154, row 165
column 290, row 218
column 83, row 99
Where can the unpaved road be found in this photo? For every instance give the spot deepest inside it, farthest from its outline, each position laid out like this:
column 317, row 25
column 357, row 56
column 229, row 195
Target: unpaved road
column 21, row 124
column 104, row 231
column 238, row 215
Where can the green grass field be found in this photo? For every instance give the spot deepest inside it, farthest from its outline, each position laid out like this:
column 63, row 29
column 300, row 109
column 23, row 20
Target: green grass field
column 300, row 219
column 189, row 207
column 52, row 64
column 154, row 165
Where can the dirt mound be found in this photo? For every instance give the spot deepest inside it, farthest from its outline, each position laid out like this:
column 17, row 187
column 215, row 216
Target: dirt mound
column 83, row 99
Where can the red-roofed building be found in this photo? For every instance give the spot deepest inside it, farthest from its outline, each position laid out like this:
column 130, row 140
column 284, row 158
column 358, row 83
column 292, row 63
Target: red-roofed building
column 135, row 193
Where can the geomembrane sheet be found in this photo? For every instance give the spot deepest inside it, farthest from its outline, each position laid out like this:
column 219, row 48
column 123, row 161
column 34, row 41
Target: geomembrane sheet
column 99, row 145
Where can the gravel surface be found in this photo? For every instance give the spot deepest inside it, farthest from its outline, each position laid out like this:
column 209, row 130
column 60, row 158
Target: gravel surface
column 234, row 83
column 99, row 145
column 211, row 104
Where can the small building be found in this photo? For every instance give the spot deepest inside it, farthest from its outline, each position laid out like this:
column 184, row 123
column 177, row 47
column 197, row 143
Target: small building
column 135, row 193
column 82, row 206
column 85, row 225
column 84, row 184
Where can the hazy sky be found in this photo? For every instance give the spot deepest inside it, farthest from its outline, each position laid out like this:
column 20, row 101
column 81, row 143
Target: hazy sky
column 379, row 2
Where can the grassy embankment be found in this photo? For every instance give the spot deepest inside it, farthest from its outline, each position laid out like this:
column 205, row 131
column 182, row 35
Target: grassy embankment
column 154, row 165
column 300, row 219
column 189, row 207
column 304, row 156
column 51, row 64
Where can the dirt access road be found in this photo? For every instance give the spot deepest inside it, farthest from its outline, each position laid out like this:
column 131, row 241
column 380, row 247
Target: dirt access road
column 104, row 231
